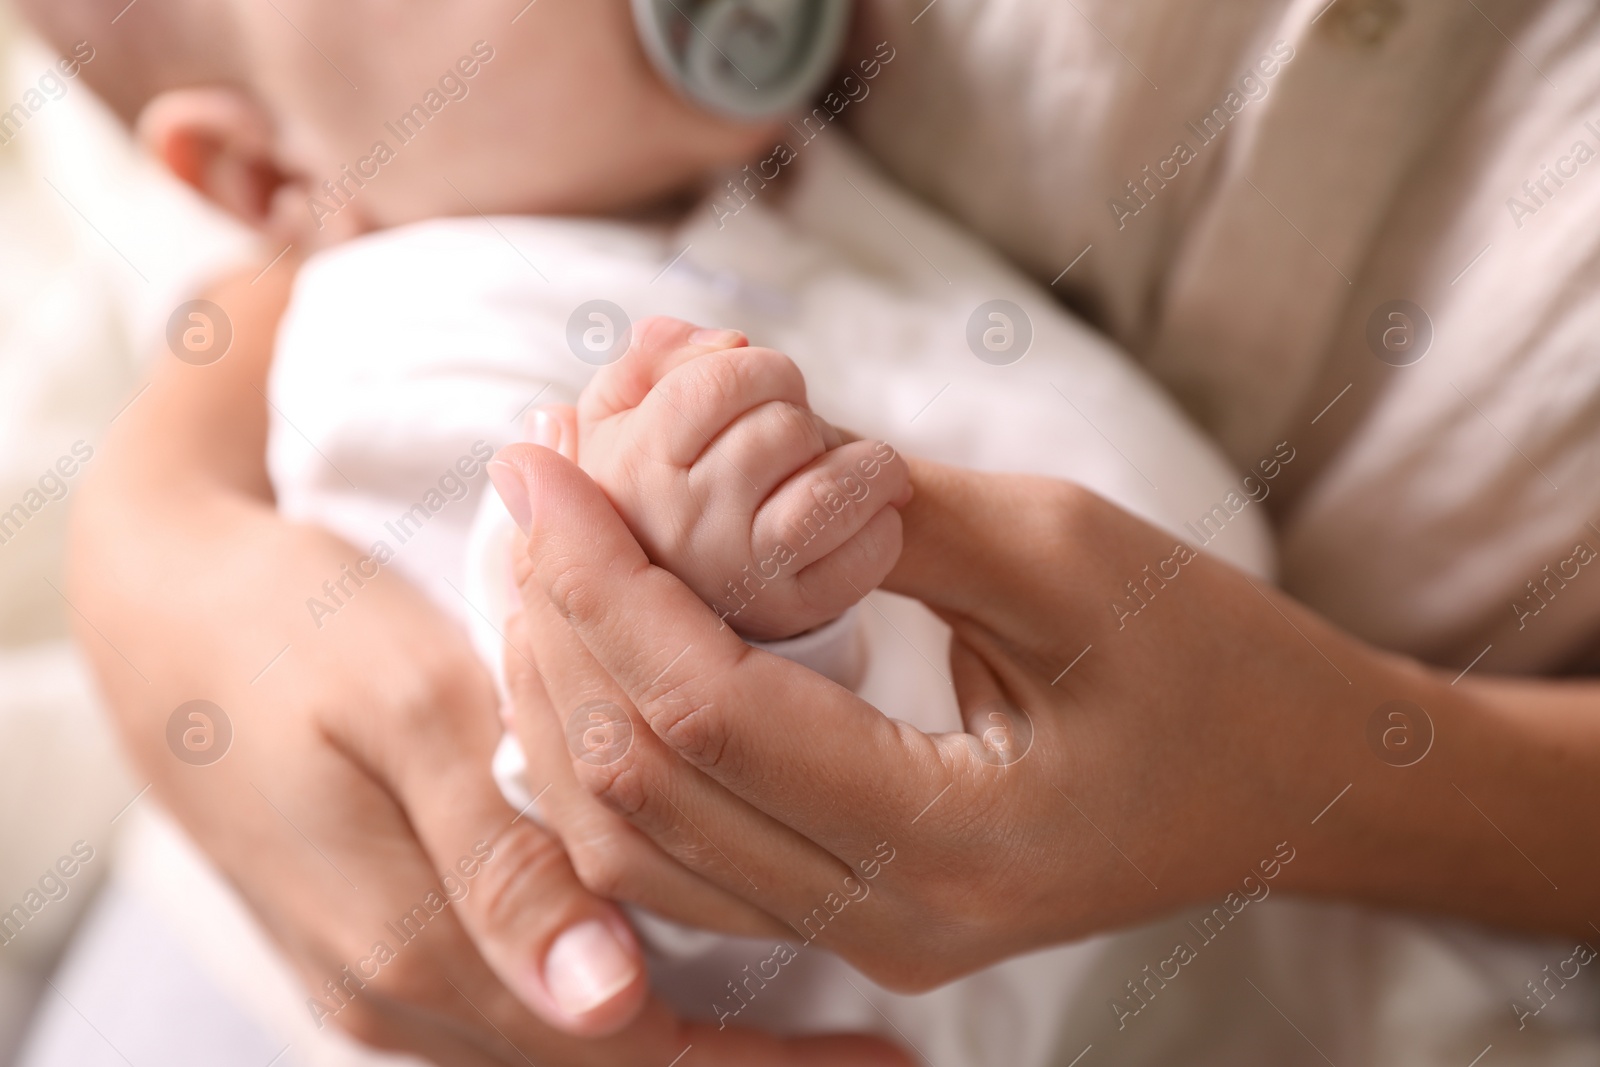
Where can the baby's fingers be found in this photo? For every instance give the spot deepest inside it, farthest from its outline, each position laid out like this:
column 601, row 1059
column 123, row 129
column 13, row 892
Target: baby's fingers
column 830, row 585
column 756, row 455
column 658, row 346
column 680, row 419
column 829, row 502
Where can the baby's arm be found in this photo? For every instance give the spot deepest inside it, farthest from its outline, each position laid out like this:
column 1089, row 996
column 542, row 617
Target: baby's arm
column 709, row 451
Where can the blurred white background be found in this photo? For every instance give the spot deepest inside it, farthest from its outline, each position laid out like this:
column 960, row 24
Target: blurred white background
column 96, row 248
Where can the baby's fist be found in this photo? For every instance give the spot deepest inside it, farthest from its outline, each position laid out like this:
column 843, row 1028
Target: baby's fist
column 711, row 454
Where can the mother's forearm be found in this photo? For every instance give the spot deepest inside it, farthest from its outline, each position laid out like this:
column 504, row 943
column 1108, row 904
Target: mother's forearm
column 178, row 494
column 204, row 425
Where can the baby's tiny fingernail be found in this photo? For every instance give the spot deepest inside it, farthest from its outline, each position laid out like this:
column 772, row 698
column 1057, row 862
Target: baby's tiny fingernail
column 586, row 967
column 545, row 430
column 508, row 483
column 717, row 338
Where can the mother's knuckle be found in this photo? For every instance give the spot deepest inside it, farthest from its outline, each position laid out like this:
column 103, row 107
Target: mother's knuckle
column 524, row 858
column 569, row 591
column 602, row 866
column 622, row 786
column 690, row 725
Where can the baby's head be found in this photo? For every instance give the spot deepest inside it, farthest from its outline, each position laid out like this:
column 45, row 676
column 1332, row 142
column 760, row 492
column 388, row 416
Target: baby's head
column 319, row 119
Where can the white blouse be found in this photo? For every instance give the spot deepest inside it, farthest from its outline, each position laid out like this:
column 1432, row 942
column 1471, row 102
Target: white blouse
column 1256, row 189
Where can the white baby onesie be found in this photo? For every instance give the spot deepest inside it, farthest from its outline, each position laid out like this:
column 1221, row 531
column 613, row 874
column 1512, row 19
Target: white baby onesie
column 407, row 356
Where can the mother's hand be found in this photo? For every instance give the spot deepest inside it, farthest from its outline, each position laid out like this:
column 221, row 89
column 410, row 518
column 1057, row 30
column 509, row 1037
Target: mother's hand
column 1142, row 754
column 358, row 777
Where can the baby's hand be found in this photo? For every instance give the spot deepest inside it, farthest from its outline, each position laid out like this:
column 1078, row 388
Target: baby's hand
column 708, row 450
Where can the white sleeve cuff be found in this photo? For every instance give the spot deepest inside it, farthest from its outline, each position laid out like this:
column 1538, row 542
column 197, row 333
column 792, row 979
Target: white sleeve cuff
column 837, row 651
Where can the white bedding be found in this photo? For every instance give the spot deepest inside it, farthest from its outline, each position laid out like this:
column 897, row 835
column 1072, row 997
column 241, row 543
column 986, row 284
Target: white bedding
column 72, row 314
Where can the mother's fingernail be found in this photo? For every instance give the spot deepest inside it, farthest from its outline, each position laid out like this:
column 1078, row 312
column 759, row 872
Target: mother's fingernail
column 586, row 967
column 718, row 338
column 508, row 483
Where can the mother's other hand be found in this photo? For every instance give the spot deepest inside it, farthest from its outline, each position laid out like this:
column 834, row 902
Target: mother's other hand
column 358, row 776
column 1183, row 729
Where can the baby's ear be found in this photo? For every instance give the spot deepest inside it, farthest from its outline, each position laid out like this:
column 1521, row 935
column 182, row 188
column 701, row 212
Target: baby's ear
column 221, row 141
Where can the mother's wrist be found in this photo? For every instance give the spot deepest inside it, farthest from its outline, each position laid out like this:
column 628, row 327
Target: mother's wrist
column 1391, row 825
column 1276, row 711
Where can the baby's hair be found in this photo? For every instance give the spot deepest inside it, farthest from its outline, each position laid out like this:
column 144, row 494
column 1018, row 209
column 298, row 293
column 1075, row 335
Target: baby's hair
column 144, row 48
